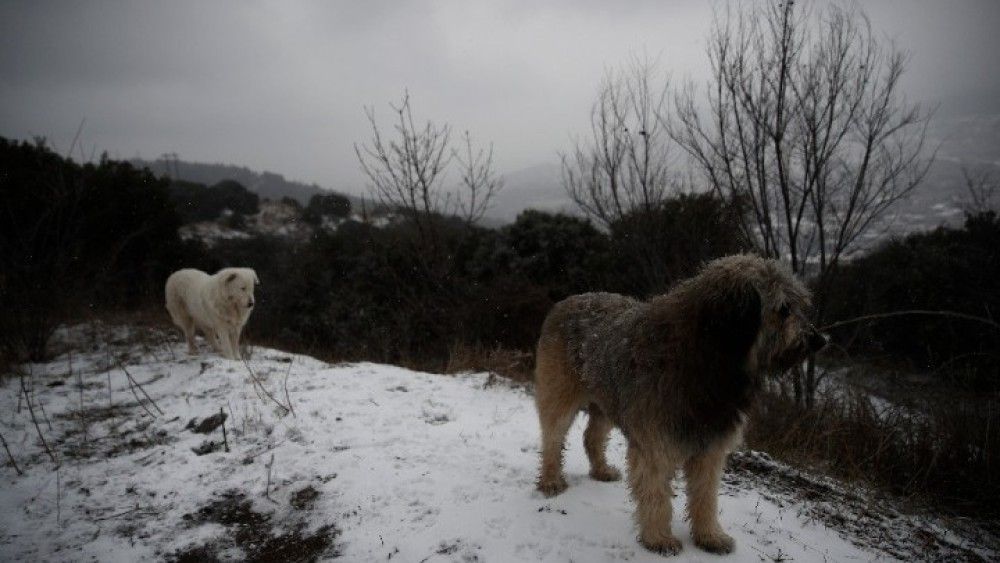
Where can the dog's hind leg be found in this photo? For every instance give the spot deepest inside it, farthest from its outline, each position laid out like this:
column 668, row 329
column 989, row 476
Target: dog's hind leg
column 595, row 440
column 555, row 424
column 557, row 397
column 649, row 476
column 186, row 323
column 703, row 473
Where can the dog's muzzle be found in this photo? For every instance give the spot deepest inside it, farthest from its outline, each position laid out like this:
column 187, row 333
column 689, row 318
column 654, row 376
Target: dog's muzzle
column 250, row 305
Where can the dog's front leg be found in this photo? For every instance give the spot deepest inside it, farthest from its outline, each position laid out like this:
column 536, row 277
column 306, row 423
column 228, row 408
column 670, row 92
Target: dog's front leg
column 234, row 342
column 703, row 473
column 649, row 476
column 220, row 337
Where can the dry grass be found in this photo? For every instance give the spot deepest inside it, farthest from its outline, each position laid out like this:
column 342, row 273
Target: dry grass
column 515, row 365
column 944, row 456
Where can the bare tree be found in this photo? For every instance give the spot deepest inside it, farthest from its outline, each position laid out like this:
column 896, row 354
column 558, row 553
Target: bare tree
column 623, row 167
column 479, row 181
column 983, row 189
column 408, row 173
column 621, row 174
column 803, row 123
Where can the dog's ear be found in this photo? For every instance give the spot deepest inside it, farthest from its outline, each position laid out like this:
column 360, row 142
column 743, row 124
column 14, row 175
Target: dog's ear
column 732, row 320
column 230, row 277
column 256, row 280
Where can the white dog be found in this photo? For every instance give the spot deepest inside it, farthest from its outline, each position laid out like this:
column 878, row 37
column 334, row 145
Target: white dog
column 217, row 305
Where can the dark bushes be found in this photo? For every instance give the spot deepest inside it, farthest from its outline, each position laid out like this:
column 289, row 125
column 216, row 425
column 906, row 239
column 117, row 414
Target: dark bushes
column 945, row 269
column 326, row 205
column 196, row 202
column 399, row 293
column 656, row 249
column 74, row 238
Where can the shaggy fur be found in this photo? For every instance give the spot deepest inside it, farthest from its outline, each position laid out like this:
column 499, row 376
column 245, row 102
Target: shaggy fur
column 217, row 305
column 677, row 375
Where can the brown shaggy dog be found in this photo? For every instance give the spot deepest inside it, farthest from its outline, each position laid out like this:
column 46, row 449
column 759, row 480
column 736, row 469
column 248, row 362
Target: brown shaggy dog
column 676, row 374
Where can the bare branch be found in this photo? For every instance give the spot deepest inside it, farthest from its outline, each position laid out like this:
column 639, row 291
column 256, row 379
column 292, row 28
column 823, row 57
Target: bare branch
column 623, row 167
column 982, row 187
column 919, row 312
column 10, row 455
column 479, row 180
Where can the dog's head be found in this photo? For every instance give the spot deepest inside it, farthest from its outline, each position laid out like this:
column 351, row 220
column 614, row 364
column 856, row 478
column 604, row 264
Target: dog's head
column 237, row 287
column 755, row 311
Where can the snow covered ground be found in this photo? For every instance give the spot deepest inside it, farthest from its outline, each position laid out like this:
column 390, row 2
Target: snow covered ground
column 374, row 463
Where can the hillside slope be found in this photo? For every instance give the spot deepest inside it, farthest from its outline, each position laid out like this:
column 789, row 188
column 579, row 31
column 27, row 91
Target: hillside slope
column 375, row 463
column 266, row 184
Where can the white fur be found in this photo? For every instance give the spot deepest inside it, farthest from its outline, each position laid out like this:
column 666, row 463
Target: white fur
column 217, row 305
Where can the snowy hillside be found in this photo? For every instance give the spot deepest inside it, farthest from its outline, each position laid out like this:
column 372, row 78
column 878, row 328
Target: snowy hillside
column 374, row 463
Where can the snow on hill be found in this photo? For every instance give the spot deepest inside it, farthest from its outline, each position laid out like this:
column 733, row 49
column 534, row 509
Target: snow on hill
column 374, row 463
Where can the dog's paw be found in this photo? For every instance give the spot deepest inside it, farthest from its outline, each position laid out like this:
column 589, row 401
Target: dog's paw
column 662, row 543
column 716, row 542
column 606, row 473
column 552, row 487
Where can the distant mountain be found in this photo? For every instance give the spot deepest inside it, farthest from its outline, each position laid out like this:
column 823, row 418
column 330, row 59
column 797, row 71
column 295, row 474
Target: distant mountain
column 967, row 141
column 268, row 185
column 536, row 187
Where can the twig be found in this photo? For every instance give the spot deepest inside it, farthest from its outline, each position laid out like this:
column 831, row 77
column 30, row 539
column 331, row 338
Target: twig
column 287, row 398
column 79, row 387
column 225, row 440
column 144, row 511
column 267, row 488
column 260, row 386
column 58, row 498
column 951, row 314
column 111, row 405
column 34, row 420
column 41, row 407
column 10, row 455
column 265, row 450
column 133, row 381
column 166, row 342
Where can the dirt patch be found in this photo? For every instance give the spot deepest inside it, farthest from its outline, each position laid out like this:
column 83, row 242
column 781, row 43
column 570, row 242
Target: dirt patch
column 863, row 517
column 207, row 425
column 254, row 534
column 303, row 499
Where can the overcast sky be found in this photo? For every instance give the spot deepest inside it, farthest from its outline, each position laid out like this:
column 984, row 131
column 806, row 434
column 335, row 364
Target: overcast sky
column 282, row 85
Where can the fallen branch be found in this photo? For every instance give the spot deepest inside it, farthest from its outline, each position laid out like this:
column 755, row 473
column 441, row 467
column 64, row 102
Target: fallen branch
column 950, row 314
column 259, row 387
column 142, row 511
column 132, row 382
column 263, row 451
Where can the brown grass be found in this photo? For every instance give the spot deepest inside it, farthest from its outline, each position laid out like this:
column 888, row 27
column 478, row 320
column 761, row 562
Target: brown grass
column 945, row 455
column 515, row 365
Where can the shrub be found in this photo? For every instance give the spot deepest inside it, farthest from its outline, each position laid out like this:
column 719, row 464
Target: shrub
column 196, row 202
column 76, row 237
column 326, row 205
column 946, row 269
column 653, row 250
